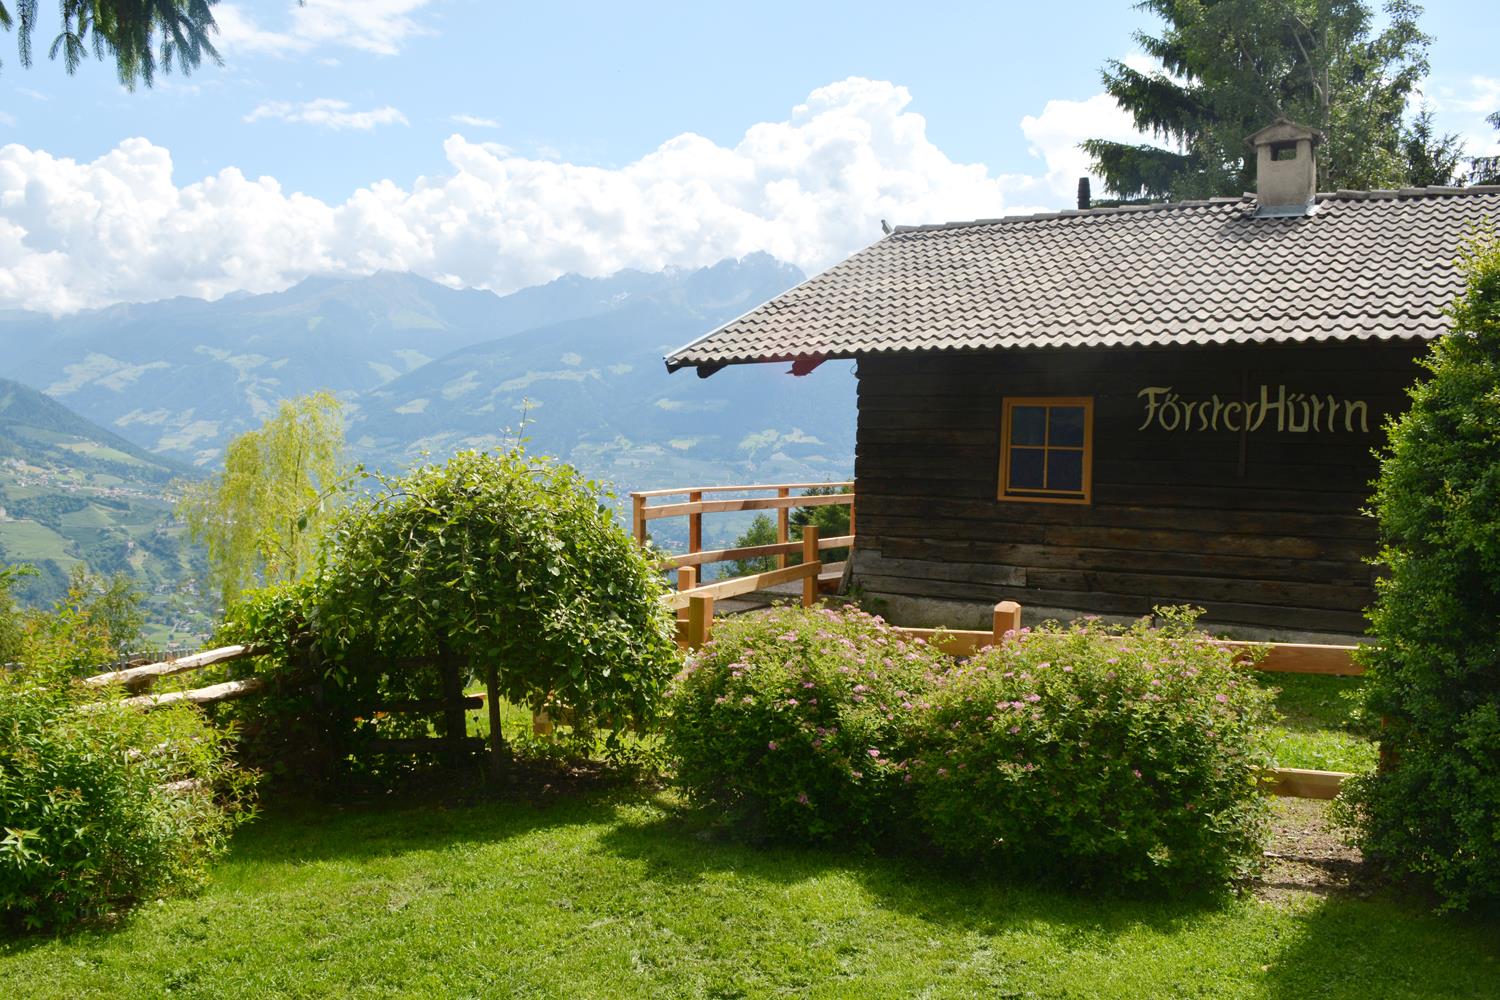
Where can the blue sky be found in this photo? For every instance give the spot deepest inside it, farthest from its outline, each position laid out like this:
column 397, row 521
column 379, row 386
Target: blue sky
column 497, row 144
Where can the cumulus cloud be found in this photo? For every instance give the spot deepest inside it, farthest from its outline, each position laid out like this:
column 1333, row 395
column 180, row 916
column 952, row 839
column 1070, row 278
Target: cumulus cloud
column 376, row 26
column 327, row 113
column 809, row 190
column 475, row 121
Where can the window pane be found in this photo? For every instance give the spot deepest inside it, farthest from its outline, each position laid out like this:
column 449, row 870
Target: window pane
column 1065, row 426
column 1028, row 424
column 1026, row 468
column 1065, row 470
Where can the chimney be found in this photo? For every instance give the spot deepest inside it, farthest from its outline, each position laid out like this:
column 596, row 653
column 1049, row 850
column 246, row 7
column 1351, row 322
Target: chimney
column 1085, row 198
column 1286, row 172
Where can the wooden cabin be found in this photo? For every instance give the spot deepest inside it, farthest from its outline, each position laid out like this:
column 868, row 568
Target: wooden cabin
column 1100, row 411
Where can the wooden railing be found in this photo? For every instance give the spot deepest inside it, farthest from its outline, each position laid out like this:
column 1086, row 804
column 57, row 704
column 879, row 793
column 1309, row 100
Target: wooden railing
column 138, row 680
column 1279, row 657
column 644, row 511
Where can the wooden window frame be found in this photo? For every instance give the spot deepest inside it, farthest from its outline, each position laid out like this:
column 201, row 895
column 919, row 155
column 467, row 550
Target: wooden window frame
column 1009, row 403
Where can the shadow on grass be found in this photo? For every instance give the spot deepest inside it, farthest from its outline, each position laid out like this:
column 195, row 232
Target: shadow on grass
column 1347, row 948
column 680, row 848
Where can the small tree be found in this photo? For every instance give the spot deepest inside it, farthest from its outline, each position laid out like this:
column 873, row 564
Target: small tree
column 1433, row 809
column 11, row 634
column 508, row 562
column 762, row 531
column 262, row 518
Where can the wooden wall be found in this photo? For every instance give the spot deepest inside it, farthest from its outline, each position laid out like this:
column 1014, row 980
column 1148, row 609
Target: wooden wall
column 1261, row 529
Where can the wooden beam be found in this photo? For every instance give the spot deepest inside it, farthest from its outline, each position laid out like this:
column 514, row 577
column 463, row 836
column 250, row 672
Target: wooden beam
column 1299, row 783
column 810, row 558
column 135, row 678
column 695, row 523
column 953, row 641
column 724, row 555
column 1007, row 619
column 416, row 745
column 687, row 579
column 638, row 517
column 847, row 485
column 783, row 527
column 729, row 506
column 1302, row 657
column 700, row 622
column 421, row 705
column 741, row 585
column 198, row 696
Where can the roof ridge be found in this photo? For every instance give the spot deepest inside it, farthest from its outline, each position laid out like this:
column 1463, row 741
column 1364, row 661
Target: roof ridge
column 1069, row 213
column 1373, row 194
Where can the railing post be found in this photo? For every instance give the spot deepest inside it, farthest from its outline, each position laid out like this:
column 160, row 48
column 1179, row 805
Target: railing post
column 638, row 517
column 810, row 558
column 687, row 579
column 700, row 621
column 695, row 524
column 1007, row 619
column 851, row 512
column 783, row 526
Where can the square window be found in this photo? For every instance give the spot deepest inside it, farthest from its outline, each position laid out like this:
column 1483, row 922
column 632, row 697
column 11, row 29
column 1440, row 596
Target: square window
column 1047, row 449
column 1027, row 468
column 1028, row 425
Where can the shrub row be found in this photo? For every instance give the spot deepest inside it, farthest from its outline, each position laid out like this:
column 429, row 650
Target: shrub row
column 102, row 805
column 1102, row 755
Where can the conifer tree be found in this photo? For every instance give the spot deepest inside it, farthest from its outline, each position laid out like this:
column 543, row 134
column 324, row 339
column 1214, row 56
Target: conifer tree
column 142, row 36
column 1229, row 67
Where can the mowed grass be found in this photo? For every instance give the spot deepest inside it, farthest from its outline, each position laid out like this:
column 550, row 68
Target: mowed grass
column 1319, row 728
column 606, row 896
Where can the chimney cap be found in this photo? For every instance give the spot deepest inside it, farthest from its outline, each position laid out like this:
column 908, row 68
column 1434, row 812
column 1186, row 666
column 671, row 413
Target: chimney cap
column 1283, row 129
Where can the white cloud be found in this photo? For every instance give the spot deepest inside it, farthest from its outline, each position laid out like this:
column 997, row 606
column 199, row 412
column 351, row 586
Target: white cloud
column 475, row 121
column 809, row 190
column 327, row 113
column 380, row 27
column 6, row 118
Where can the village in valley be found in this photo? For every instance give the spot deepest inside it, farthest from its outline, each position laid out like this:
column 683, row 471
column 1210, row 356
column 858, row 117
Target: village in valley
column 557, row 503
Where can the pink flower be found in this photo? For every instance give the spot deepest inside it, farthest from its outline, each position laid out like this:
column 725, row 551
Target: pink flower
column 1033, row 697
column 1135, row 772
column 873, row 752
column 1222, row 699
column 771, row 745
column 802, row 798
column 1014, row 729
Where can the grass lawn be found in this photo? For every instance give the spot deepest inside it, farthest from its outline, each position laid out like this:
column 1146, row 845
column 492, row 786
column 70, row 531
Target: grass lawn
column 617, row 895
column 1317, row 729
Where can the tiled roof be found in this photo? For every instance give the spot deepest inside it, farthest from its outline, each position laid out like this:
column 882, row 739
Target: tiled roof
column 1364, row 264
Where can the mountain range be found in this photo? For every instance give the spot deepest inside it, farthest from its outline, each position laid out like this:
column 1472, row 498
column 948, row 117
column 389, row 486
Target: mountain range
column 134, row 397
column 74, row 494
column 574, row 366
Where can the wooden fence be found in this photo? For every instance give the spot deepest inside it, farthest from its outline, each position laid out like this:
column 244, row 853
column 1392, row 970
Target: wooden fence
column 689, row 564
column 1280, row 657
column 138, row 680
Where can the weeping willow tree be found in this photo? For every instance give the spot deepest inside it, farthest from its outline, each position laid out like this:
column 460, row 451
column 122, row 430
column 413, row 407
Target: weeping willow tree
column 142, row 36
column 263, row 516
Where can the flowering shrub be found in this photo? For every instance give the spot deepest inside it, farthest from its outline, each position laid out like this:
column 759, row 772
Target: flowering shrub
column 790, row 721
column 1129, row 758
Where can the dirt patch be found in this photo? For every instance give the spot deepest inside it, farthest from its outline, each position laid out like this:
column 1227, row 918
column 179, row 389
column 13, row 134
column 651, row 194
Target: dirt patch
column 1307, row 856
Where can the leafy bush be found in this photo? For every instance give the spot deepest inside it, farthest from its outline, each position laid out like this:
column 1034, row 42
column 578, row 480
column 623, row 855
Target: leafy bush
column 102, row 805
column 507, row 561
column 1129, row 759
column 1432, row 810
column 790, row 722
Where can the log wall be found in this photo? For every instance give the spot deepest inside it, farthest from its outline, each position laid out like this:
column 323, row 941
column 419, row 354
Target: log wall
column 1260, row 528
